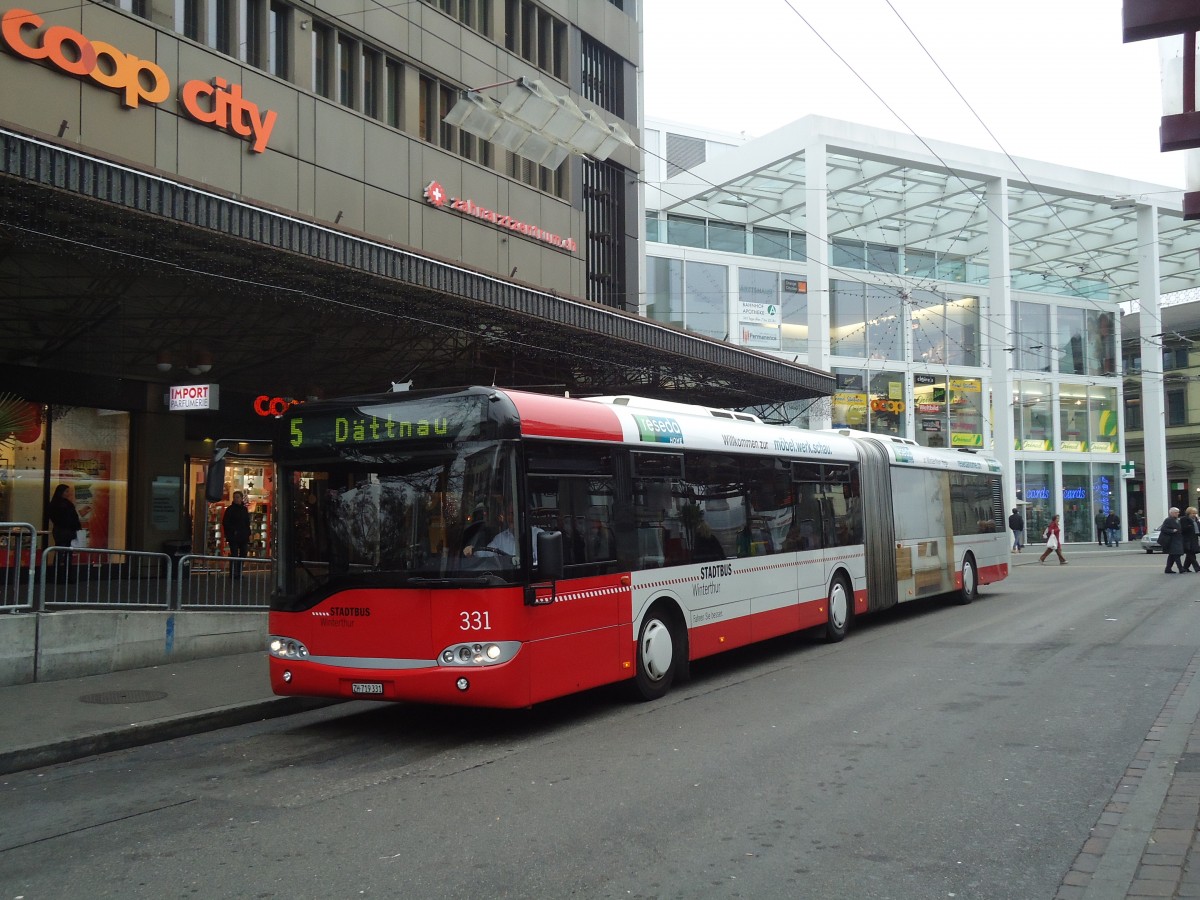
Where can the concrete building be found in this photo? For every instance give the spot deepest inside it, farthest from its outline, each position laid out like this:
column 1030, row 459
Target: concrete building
column 960, row 297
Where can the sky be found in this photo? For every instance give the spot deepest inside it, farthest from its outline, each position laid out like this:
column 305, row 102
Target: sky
column 1050, row 79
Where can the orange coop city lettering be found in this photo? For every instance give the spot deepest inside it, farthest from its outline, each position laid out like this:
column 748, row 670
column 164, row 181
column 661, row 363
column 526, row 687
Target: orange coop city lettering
column 133, row 78
column 216, row 102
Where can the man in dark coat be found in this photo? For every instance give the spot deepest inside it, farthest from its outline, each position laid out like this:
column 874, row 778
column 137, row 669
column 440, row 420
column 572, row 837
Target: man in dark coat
column 236, row 525
column 1171, row 537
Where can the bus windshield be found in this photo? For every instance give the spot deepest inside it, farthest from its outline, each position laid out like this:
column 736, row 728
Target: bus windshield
column 395, row 518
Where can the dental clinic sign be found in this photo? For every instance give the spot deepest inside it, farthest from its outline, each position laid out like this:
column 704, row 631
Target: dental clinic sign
column 435, row 195
column 215, row 103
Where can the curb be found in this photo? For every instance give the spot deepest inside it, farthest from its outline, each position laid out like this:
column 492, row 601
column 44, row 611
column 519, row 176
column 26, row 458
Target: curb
column 152, row 732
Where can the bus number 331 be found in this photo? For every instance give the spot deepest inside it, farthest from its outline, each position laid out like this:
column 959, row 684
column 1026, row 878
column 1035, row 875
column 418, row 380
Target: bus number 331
column 474, row 621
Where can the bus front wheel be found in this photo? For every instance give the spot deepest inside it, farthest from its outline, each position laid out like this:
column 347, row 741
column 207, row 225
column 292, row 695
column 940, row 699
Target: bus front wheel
column 841, row 600
column 658, row 650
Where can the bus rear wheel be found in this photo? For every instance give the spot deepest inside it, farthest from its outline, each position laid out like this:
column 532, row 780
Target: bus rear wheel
column 841, row 602
column 970, row 581
column 658, row 649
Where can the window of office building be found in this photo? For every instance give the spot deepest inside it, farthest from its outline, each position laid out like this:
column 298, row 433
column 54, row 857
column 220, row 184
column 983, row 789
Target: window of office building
column 1103, row 434
column 394, row 102
column 654, row 226
column 221, row 25
column 279, row 31
column 475, row 14
column 189, row 19
column 323, row 60
column 604, row 212
column 686, row 231
column 691, row 295
column 726, row 236
column 847, row 325
column 1031, row 339
column 866, row 320
column 372, row 65
column 603, row 76
column 1032, row 411
column 664, row 290
column 1071, row 341
column 1176, row 406
column 347, row 67
column 536, row 36
column 254, row 36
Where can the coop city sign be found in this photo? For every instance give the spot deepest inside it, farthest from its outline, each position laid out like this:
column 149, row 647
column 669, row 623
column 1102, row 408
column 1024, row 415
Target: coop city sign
column 135, row 80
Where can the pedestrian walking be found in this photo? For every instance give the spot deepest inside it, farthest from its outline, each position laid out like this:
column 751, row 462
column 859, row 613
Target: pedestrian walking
column 1017, row 523
column 1113, row 527
column 1101, row 520
column 1170, row 536
column 1189, row 528
column 1053, row 537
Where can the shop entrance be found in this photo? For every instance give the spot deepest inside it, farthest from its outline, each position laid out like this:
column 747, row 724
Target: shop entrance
column 253, row 474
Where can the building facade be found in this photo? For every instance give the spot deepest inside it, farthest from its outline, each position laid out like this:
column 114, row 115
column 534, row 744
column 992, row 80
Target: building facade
column 213, row 209
column 961, row 298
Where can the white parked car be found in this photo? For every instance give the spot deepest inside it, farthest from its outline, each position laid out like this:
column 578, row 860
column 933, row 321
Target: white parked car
column 1150, row 541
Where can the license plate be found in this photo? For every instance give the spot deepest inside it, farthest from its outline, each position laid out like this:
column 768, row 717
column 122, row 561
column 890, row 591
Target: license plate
column 366, row 687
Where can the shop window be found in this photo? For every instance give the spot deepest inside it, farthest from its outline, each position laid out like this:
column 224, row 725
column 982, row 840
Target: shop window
column 1032, row 425
column 794, row 329
column 931, row 409
column 966, row 412
column 1104, row 436
column 758, row 311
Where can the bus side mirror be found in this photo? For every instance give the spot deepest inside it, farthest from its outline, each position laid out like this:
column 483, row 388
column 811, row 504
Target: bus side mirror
column 550, row 555
column 214, row 482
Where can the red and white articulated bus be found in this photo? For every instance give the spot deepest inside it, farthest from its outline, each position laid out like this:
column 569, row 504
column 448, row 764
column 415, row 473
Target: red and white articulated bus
column 491, row 547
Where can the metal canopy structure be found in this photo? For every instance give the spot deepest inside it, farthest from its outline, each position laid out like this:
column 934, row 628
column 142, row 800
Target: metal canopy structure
column 892, row 189
column 108, row 271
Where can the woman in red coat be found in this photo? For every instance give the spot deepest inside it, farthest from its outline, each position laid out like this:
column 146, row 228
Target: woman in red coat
column 1053, row 541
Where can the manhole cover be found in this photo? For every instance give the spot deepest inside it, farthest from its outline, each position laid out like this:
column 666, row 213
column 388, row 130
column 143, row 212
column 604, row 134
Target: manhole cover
column 123, row 697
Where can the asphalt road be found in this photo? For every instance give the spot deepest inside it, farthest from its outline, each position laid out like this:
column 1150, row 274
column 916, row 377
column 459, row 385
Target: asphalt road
column 940, row 751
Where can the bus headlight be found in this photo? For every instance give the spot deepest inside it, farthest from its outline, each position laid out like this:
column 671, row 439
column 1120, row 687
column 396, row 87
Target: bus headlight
column 479, row 654
column 286, row 648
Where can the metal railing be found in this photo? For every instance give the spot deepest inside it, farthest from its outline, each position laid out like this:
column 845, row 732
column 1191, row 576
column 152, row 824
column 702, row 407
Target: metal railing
column 95, row 576
column 18, row 562
column 223, row 582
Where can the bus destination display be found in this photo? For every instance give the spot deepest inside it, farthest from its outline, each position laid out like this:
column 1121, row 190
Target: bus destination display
column 437, row 420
